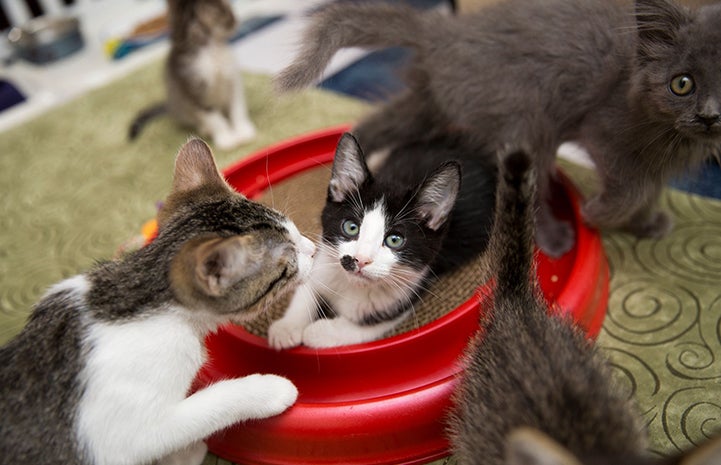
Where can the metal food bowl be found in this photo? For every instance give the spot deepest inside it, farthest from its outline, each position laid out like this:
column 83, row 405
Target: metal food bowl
column 46, row 38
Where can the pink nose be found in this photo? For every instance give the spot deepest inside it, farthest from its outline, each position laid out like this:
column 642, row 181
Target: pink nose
column 363, row 261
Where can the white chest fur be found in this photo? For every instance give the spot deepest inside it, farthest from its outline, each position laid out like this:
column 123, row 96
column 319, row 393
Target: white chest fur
column 136, row 371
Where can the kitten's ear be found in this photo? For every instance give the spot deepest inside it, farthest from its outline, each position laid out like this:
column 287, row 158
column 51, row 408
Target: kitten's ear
column 709, row 453
column 195, row 168
column 528, row 446
column 221, row 262
column 349, row 169
column 658, row 22
column 438, row 193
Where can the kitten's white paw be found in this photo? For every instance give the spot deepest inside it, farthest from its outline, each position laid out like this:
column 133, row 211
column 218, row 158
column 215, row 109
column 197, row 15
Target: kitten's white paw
column 324, row 333
column 269, row 394
column 225, row 140
column 244, row 132
column 284, row 335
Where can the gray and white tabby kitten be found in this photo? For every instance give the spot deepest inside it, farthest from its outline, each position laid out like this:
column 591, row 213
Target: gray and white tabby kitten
column 203, row 85
column 101, row 372
column 391, row 223
column 534, row 390
column 637, row 85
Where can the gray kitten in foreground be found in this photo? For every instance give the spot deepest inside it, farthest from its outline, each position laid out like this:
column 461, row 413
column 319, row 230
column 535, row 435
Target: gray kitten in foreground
column 639, row 87
column 101, row 372
column 203, row 85
column 534, row 390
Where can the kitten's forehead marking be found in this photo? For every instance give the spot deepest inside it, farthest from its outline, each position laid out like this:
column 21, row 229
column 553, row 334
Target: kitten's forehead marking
column 372, row 230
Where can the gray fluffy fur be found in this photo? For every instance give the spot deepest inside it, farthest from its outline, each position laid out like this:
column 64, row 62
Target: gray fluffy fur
column 536, row 73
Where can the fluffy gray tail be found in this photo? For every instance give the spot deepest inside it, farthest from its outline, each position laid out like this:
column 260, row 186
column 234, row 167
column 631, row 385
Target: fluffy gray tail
column 512, row 244
column 348, row 24
column 144, row 117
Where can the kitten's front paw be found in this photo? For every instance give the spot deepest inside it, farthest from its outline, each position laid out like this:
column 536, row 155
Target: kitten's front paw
column 271, row 394
column 284, row 335
column 556, row 238
column 230, row 139
column 324, row 333
column 225, row 140
column 655, row 226
column 244, row 132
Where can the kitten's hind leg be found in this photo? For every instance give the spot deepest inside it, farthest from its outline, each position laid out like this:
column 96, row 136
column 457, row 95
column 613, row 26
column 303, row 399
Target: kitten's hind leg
column 554, row 236
column 630, row 210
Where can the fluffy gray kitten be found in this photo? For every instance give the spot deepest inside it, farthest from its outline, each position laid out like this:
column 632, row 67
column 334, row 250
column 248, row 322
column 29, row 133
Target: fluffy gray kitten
column 637, row 85
column 534, row 390
column 101, row 373
column 203, row 85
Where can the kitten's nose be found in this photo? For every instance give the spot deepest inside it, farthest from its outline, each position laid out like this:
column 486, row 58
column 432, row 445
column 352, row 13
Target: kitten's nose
column 363, row 261
column 709, row 119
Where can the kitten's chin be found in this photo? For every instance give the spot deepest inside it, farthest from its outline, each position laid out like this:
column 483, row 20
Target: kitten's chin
column 359, row 279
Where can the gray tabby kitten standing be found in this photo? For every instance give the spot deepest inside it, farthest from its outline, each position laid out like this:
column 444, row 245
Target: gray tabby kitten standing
column 639, row 88
column 101, row 372
column 204, row 87
column 534, row 390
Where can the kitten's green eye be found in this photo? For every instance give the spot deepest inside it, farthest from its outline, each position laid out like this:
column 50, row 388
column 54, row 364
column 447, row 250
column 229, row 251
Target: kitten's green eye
column 394, row 241
column 350, row 228
column 682, row 85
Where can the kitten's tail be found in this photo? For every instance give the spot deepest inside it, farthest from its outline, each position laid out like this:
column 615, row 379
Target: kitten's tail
column 144, row 117
column 512, row 245
column 349, row 24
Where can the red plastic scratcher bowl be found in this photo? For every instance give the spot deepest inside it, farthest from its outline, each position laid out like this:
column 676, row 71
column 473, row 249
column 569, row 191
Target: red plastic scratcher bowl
column 382, row 402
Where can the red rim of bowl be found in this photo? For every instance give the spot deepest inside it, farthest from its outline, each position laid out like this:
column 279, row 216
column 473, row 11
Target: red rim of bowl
column 385, row 401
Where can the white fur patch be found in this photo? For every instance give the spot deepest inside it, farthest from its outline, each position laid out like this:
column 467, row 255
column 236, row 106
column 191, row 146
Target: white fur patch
column 368, row 246
column 77, row 285
column 135, row 407
column 306, row 250
column 135, row 373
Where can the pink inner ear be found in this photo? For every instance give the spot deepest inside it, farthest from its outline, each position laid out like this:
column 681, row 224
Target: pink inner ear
column 195, row 167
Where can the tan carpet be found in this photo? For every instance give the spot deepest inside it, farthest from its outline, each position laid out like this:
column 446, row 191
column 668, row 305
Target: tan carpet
column 73, row 190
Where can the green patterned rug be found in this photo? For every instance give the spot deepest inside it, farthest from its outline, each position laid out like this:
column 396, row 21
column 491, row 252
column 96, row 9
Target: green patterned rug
column 73, row 190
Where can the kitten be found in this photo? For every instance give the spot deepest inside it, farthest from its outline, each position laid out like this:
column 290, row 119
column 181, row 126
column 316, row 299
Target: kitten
column 534, row 390
column 204, row 89
column 100, row 373
column 386, row 233
column 637, row 86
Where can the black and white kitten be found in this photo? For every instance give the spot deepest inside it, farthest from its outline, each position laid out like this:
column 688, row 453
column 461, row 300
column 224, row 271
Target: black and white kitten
column 388, row 230
column 101, row 372
column 636, row 84
column 203, row 85
column 534, row 390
